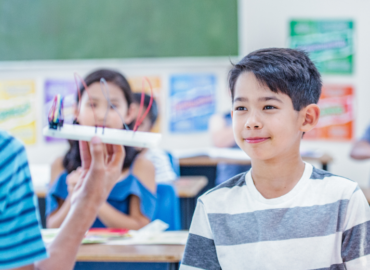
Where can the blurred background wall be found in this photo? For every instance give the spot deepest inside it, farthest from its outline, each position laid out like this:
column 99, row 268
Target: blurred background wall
column 43, row 40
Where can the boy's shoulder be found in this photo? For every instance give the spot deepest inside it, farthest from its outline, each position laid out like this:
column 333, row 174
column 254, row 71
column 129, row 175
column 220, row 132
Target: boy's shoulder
column 325, row 176
column 339, row 187
column 229, row 188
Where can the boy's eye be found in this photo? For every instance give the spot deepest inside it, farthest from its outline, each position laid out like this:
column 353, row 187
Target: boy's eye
column 92, row 105
column 268, row 107
column 240, row 108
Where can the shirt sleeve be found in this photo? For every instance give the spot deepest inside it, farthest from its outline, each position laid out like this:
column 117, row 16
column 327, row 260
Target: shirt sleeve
column 356, row 234
column 366, row 136
column 20, row 236
column 200, row 250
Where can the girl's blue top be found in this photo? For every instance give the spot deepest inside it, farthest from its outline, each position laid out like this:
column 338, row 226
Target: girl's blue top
column 119, row 197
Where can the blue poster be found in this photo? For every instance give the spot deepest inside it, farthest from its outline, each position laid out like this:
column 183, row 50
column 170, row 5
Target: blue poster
column 192, row 102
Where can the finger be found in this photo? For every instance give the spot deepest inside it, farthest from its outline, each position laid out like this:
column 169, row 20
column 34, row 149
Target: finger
column 109, row 152
column 85, row 154
column 97, row 153
column 118, row 156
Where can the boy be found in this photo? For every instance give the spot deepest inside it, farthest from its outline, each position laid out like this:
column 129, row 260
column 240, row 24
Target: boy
column 283, row 213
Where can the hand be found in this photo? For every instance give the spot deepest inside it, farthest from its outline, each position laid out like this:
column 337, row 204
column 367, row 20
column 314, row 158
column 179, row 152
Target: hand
column 101, row 167
column 72, row 180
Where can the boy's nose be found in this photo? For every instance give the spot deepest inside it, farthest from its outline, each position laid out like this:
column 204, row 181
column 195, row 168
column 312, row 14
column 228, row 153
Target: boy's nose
column 253, row 123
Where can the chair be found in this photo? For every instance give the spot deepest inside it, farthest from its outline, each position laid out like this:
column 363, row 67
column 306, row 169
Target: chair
column 168, row 207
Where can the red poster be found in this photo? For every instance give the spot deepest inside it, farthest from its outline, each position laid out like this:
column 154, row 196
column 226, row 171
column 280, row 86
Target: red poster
column 336, row 114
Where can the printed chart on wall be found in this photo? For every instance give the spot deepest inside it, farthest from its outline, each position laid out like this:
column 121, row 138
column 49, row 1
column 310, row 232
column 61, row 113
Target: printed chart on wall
column 138, row 83
column 192, row 102
column 67, row 89
column 18, row 109
column 336, row 116
column 329, row 43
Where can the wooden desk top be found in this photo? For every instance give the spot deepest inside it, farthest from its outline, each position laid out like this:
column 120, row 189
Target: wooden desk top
column 186, row 186
column 207, row 161
column 189, row 186
column 132, row 253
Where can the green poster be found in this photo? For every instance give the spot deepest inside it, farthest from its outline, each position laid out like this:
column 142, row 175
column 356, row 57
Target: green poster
column 329, row 43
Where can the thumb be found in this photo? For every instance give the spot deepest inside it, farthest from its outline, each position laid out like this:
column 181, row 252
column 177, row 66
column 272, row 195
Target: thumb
column 97, row 153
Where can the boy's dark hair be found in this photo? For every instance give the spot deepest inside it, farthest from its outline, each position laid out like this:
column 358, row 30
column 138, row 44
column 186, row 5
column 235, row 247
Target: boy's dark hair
column 72, row 159
column 282, row 70
column 153, row 112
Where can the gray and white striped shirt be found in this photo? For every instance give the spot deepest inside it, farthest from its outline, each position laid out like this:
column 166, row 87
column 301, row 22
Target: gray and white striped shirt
column 322, row 223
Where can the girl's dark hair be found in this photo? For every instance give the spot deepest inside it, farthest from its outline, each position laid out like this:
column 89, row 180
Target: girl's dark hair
column 153, row 112
column 111, row 76
column 72, row 160
column 282, row 70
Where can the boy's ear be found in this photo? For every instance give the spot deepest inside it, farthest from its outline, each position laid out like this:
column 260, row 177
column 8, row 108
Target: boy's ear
column 310, row 115
column 232, row 112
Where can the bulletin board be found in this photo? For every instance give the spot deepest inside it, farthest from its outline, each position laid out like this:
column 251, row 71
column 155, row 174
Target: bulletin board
column 336, row 114
column 330, row 43
column 18, row 109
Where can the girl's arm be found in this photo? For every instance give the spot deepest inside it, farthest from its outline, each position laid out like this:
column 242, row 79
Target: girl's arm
column 56, row 218
column 134, row 220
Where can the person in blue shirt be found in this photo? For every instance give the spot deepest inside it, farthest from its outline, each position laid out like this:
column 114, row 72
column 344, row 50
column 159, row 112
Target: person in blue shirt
column 132, row 201
column 21, row 245
column 361, row 148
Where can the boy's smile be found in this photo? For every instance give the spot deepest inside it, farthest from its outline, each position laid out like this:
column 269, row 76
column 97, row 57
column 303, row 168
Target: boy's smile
column 265, row 123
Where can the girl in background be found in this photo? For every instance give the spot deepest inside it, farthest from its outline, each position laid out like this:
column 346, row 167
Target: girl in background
column 132, row 201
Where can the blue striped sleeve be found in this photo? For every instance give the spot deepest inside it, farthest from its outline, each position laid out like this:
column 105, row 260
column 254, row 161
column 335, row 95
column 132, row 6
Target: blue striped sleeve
column 20, row 236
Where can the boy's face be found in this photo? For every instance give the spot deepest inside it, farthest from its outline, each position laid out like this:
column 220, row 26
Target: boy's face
column 265, row 123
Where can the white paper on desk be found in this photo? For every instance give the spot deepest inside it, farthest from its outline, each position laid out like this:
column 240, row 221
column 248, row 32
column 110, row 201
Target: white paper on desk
column 163, row 238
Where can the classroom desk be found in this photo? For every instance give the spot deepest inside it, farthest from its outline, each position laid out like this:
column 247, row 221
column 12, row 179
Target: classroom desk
column 325, row 159
column 161, row 257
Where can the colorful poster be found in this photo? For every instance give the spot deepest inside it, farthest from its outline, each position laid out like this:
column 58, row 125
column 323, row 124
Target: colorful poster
column 192, row 102
column 68, row 90
column 137, row 85
column 18, row 109
column 328, row 42
column 336, row 114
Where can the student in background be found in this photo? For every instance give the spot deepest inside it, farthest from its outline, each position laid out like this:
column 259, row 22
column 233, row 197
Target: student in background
column 164, row 170
column 21, row 245
column 361, row 148
column 132, row 201
column 222, row 136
